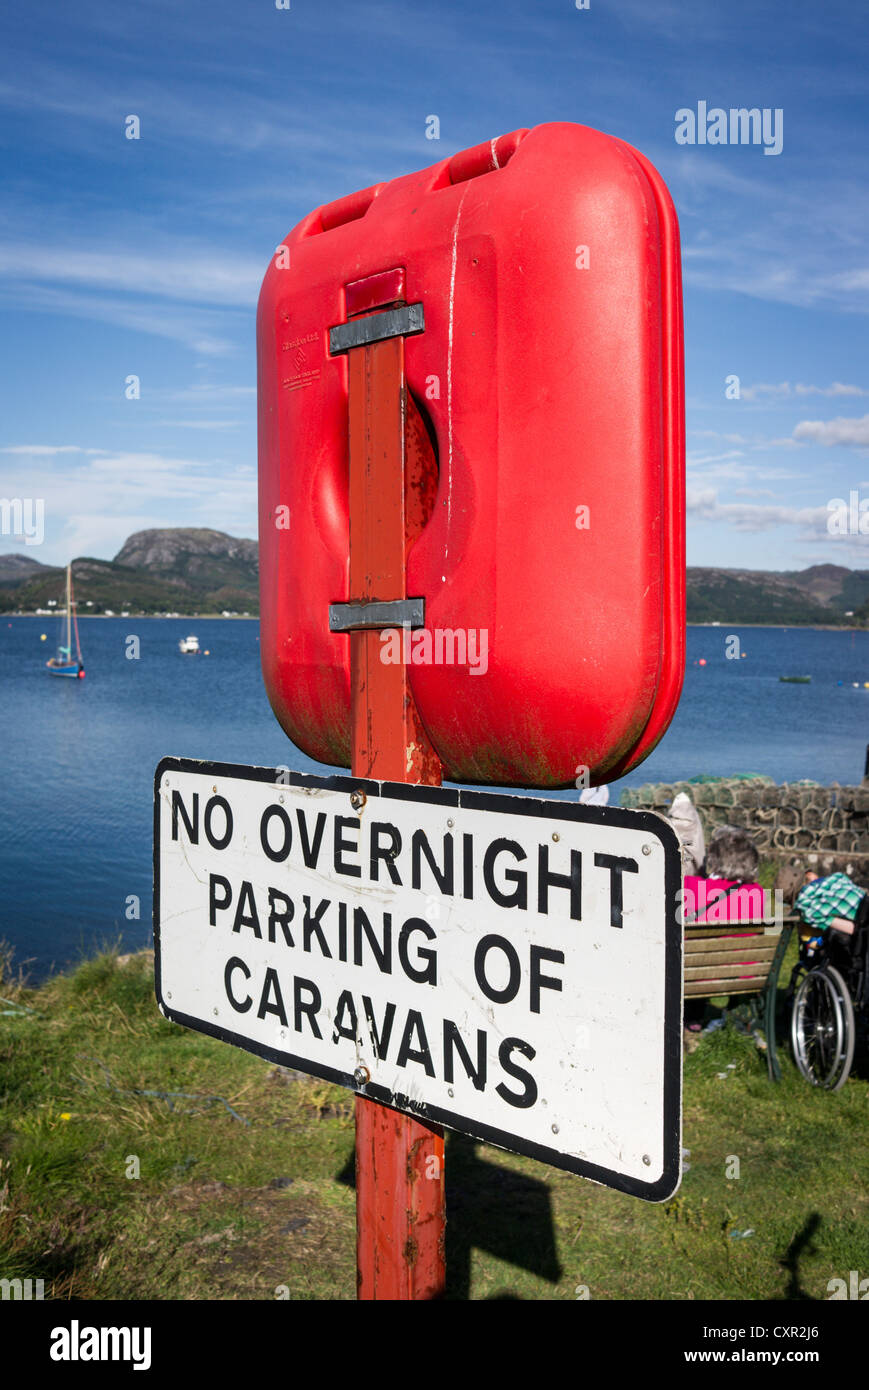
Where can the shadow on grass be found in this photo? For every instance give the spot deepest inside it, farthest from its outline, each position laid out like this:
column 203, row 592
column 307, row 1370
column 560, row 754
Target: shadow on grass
column 489, row 1208
column 802, row 1241
column 494, row 1209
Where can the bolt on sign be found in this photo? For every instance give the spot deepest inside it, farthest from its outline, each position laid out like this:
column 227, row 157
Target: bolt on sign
column 505, row 966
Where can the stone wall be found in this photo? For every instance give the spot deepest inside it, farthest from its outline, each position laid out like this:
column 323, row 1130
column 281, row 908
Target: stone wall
column 823, row 827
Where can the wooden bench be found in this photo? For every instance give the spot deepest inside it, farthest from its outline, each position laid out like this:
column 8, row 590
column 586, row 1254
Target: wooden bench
column 742, row 960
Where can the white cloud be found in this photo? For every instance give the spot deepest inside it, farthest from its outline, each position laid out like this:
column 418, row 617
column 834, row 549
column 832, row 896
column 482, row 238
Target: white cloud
column 783, row 389
column 200, row 329
column 735, row 467
column 225, row 114
column 853, row 280
column 42, row 450
column 744, row 516
column 175, row 270
column 714, row 458
column 838, row 388
column 853, row 432
column 180, row 289
column 201, row 424
column 94, row 501
column 89, row 533
column 763, row 388
column 839, row 550
column 209, row 393
column 786, row 242
column 716, row 434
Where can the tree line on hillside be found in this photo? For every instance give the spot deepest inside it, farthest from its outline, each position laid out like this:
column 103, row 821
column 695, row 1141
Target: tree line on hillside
column 196, row 571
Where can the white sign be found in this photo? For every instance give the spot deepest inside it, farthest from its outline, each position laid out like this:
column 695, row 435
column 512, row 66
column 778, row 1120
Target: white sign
column 505, row 966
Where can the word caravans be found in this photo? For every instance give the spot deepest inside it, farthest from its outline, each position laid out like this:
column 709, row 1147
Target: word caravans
column 738, row 126
column 395, row 1037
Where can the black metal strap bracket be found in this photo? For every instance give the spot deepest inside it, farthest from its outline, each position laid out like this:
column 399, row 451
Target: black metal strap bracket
column 359, row 617
column 373, row 328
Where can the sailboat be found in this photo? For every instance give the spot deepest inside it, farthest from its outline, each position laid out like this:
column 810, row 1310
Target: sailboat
column 63, row 664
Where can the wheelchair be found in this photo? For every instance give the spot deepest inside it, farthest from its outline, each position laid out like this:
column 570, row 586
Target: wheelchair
column 829, row 1002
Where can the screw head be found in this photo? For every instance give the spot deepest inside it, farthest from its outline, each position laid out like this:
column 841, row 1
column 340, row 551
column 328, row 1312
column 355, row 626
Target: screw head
column 556, row 837
column 647, row 849
column 358, row 799
column 646, row 1160
column 555, row 1129
column 362, row 1076
column 450, row 824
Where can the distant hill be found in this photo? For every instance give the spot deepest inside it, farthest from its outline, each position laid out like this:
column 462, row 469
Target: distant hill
column 193, row 570
column 14, row 569
column 178, row 570
column 200, row 559
column 820, row 595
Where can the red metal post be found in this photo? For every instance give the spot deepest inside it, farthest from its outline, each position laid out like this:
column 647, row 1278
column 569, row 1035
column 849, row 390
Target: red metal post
column 399, row 1161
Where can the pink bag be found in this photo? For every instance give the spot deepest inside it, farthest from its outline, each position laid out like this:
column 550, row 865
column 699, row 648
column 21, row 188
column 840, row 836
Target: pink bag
column 718, row 900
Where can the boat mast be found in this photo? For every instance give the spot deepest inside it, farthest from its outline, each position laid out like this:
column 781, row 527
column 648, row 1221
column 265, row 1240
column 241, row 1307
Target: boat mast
column 74, row 616
column 68, row 613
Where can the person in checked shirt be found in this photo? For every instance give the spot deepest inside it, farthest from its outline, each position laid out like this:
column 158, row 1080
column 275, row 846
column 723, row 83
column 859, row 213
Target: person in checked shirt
column 829, row 902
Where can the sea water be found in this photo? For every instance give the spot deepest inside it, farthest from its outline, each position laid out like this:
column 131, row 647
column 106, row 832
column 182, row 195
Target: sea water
column 79, row 756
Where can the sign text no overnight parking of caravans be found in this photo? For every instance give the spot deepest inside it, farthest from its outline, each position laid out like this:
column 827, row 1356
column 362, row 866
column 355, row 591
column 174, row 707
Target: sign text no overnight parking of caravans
column 506, row 966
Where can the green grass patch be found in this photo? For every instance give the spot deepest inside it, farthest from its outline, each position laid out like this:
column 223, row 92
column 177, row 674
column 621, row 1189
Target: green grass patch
column 141, row 1160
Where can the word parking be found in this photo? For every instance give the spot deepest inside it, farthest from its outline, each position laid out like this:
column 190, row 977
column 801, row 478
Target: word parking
column 484, row 961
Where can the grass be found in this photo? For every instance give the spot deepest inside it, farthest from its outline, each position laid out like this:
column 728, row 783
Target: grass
column 244, row 1182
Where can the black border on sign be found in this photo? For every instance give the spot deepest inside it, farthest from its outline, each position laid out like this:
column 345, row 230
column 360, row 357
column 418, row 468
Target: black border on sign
column 658, row 1191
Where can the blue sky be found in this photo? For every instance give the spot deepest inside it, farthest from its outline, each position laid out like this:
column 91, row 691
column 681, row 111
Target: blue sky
column 144, row 257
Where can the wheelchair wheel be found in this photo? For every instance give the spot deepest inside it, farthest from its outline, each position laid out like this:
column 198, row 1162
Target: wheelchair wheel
column 822, row 1028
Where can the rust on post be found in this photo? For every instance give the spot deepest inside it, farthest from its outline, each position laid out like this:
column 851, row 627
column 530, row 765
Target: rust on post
column 411, row 1251
column 400, row 1210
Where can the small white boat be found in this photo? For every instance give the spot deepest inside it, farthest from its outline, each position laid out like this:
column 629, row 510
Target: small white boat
column 189, row 646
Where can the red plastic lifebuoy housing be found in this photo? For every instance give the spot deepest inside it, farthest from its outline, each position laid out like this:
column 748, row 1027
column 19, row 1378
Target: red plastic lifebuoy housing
column 550, row 377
